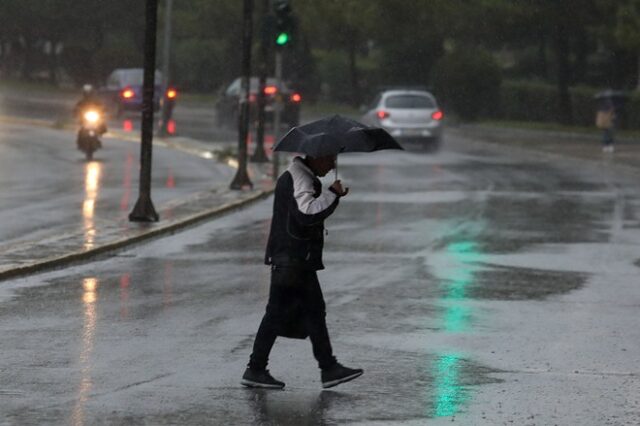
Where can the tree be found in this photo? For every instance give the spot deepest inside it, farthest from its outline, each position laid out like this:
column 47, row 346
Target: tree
column 343, row 25
column 410, row 37
column 627, row 30
column 207, row 39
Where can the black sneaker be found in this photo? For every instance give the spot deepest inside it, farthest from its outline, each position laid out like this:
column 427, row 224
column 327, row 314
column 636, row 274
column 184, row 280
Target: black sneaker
column 260, row 379
column 337, row 374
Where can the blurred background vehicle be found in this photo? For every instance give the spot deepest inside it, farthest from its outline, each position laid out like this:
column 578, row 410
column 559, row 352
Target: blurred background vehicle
column 123, row 90
column 227, row 104
column 411, row 116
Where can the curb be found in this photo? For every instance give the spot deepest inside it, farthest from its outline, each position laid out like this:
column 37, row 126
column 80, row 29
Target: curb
column 146, row 234
column 79, row 256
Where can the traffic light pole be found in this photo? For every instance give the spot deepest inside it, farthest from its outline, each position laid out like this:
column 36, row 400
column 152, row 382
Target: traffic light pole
column 241, row 179
column 259, row 156
column 277, row 112
column 144, row 210
column 166, row 53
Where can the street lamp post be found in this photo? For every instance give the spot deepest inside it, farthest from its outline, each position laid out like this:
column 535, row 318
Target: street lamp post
column 242, row 176
column 144, row 210
column 277, row 111
column 259, row 156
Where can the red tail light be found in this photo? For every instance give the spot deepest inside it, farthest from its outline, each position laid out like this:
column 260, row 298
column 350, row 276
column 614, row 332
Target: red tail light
column 270, row 90
column 128, row 93
column 296, row 97
column 438, row 115
column 172, row 94
column 383, row 114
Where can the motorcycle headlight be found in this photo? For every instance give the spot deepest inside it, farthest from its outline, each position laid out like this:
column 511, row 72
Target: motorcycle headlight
column 92, row 116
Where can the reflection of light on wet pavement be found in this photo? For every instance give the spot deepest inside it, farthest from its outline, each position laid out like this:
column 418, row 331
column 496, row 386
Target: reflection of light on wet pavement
column 89, row 299
column 458, row 281
column 267, row 142
column 171, row 127
column 91, row 187
column 462, row 259
column 171, row 180
column 126, row 182
column 457, row 318
column 459, row 264
column 450, row 395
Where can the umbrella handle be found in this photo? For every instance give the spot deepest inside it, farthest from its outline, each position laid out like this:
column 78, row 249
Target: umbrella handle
column 336, row 168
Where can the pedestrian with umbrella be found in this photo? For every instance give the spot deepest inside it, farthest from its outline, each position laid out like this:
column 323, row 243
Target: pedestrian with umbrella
column 296, row 307
column 610, row 105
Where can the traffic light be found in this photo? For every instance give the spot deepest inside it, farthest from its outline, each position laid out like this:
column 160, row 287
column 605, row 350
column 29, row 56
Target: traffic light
column 284, row 22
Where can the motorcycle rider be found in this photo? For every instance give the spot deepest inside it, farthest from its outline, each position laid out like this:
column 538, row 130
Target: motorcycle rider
column 90, row 100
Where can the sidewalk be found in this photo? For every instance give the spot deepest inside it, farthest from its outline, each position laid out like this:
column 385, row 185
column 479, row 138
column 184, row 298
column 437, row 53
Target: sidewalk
column 82, row 243
column 585, row 148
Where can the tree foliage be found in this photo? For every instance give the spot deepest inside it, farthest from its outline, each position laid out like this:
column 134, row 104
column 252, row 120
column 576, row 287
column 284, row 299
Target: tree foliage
column 343, row 49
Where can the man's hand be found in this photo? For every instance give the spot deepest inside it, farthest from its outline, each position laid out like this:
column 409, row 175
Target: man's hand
column 337, row 188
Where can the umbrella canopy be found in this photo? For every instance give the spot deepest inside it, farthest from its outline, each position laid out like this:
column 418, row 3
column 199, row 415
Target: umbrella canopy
column 333, row 135
column 608, row 93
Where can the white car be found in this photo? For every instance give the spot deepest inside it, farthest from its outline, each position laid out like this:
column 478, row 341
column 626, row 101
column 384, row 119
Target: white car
column 408, row 115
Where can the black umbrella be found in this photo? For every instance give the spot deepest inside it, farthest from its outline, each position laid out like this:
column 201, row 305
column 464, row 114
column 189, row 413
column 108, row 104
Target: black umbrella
column 333, row 135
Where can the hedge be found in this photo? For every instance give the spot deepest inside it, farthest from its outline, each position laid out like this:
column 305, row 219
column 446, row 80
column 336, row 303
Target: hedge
column 468, row 81
column 535, row 101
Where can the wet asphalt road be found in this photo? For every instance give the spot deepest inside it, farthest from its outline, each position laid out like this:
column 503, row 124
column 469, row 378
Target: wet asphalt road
column 472, row 287
column 50, row 189
column 196, row 121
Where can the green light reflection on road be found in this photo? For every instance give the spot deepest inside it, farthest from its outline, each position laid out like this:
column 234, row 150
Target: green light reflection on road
column 464, row 254
column 465, row 251
column 459, row 280
column 457, row 318
column 449, row 393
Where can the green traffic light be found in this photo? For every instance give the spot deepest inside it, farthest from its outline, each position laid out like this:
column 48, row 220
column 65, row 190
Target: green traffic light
column 282, row 39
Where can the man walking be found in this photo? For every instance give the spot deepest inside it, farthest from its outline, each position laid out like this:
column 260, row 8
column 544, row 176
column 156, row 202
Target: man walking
column 296, row 306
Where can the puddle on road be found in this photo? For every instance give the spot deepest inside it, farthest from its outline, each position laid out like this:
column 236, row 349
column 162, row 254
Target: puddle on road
column 507, row 283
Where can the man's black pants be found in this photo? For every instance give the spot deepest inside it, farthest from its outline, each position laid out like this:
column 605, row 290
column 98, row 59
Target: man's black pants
column 295, row 302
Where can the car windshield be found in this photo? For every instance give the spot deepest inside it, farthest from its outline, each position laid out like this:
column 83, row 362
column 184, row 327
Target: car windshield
column 136, row 77
column 409, row 102
column 269, row 82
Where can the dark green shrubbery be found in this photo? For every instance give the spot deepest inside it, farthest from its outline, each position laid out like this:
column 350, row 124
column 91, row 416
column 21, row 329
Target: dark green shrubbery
column 631, row 117
column 527, row 101
column 536, row 101
column 200, row 65
column 468, row 82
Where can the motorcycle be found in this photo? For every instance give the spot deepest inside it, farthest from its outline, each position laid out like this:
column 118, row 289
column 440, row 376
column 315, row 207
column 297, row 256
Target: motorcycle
column 92, row 127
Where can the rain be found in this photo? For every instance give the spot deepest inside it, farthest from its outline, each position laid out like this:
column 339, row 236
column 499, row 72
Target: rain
column 461, row 177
